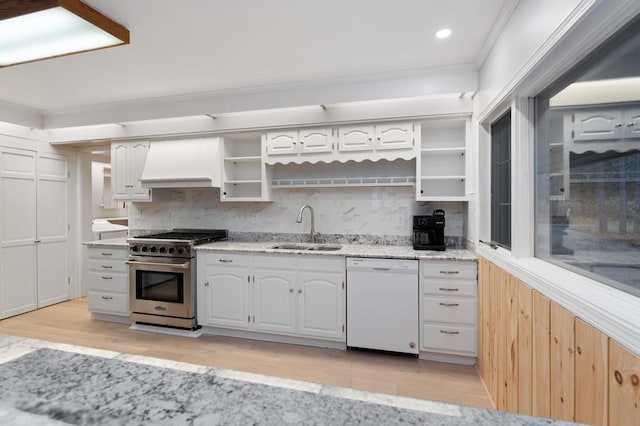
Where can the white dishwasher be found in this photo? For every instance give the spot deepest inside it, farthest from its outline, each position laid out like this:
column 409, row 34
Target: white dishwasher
column 382, row 304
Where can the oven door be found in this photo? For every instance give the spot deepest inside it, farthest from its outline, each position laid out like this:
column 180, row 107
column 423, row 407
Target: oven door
column 161, row 286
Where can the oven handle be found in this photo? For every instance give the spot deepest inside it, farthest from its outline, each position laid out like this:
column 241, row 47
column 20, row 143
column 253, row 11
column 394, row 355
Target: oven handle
column 172, row 265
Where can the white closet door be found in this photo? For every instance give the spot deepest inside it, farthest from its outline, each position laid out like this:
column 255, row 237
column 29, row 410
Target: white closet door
column 17, row 231
column 52, row 220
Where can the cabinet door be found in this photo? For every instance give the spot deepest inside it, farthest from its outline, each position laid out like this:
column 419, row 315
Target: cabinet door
column 52, row 223
column 274, row 301
column 120, row 171
column 321, row 305
column 356, row 138
column 17, row 231
column 283, row 142
column 138, row 156
column 394, row 136
column 597, row 125
column 632, row 123
column 316, row 140
column 223, row 297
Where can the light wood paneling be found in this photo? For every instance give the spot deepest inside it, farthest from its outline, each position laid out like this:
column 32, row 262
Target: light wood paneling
column 591, row 375
column 541, row 384
column 494, row 302
column 562, row 363
column 502, row 333
column 484, row 298
column 525, row 348
column 624, row 386
column 511, row 344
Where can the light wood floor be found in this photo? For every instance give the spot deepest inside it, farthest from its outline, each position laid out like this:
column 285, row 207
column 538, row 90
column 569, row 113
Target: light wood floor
column 70, row 322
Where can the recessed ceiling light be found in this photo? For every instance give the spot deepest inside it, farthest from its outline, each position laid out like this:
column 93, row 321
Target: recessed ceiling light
column 443, row 33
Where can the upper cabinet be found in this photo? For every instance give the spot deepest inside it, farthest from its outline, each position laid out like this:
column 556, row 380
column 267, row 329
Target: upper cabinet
column 244, row 174
column 441, row 168
column 606, row 124
column 372, row 142
column 127, row 161
column 304, row 141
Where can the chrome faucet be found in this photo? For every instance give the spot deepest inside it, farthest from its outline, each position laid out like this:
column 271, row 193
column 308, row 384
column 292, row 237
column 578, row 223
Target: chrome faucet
column 313, row 232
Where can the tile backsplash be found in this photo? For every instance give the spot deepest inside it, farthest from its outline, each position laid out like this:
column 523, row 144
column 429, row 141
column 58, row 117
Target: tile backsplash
column 375, row 211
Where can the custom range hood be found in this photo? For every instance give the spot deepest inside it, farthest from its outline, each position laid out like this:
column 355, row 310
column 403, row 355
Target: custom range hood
column 184, row 163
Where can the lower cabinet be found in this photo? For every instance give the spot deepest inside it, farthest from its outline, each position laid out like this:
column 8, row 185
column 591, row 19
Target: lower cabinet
column 448, row 313
column 301, row 296
column 108, row 287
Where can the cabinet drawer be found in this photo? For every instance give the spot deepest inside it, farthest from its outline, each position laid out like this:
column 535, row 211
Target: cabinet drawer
column 449, row 270
column 321, row 263
column 450, row 288
column 449, row 339
column 456, row 310
column 116, row 303
column 108, row 265
column 109, row 281
column 107, row 253
column 225, row 259
column 280, row 262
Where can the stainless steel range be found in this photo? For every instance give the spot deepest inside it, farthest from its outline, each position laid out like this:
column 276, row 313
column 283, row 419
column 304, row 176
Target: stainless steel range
column 162, row 276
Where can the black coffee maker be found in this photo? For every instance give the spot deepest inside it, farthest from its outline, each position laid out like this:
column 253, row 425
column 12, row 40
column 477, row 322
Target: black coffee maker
column 428, row 231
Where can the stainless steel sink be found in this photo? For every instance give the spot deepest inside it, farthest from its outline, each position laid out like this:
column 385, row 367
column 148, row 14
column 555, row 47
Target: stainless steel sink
column 306, row 246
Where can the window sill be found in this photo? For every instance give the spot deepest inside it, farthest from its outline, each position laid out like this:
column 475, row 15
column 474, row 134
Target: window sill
column 611, row 311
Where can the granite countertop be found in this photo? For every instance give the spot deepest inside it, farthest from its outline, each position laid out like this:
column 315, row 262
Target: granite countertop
column 354, row 250
column 347, row 250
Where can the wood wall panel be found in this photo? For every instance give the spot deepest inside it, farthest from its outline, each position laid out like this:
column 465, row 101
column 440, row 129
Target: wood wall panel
column 556, row 364
column 541, row 384
column 562, row 363
column 591, row 375
column 624, row 386
column 511, row 344
column 525, row 348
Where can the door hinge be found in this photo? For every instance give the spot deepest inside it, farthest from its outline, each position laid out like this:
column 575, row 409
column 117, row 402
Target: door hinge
column 68, row 174
column 254, row 318
column 254, row 278
column 343, row 285
column 572, row 134
column 343, row 328
column 69, row 280
column 248, row 278
column 248, row 318
column 68, row 227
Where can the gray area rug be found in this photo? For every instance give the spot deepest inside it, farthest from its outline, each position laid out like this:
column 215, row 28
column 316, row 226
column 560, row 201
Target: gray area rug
column 56, row 387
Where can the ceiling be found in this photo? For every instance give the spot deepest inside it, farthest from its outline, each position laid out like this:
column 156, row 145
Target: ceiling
column 193, row 47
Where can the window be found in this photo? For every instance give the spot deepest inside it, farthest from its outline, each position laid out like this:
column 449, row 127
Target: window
column 587, row 206
column 501, row 181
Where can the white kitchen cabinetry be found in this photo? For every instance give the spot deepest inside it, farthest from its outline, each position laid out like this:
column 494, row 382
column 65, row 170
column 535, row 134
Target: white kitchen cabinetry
column 448, row 311
column 376, row 137
column 294, row 296
column 108, row 285
column 244, row 173
column 223, row 290
column 33, row 231
column 606, row 124
column 127, row 163
column 303, row 141
column 441, row 167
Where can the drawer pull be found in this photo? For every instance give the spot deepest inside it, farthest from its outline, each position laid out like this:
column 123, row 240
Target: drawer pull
column 450, row 305
column 448, row 289
column 225, row 260
column 107, row 267
column 449, row 332
column 107, row 297
column 107, row 278
column 106, row 254
column 449, row 272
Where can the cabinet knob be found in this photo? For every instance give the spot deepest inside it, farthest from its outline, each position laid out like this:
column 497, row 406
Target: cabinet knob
column 226, row 260
column 300, row 291
column 107, row 278
column 449, row 332
column 107, row 267
column 290, row 290
column 107, row 297
column 449, row 272
column 448, row 289
column 206, row 284
column 449, row 305
column 128, row 186
column 106, row 254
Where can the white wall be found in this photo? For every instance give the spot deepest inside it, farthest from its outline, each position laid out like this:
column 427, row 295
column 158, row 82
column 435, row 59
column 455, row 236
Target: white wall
column 375, row 211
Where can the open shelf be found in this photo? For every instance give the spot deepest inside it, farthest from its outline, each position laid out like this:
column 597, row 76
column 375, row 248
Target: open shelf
column 244, row 176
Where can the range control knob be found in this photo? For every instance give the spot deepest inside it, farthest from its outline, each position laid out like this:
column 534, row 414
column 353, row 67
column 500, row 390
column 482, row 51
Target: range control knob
column 153, row 249
column 162, row 250
column 171, row 250
column 144, row 249
column 180, row 250
column 134, row 248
